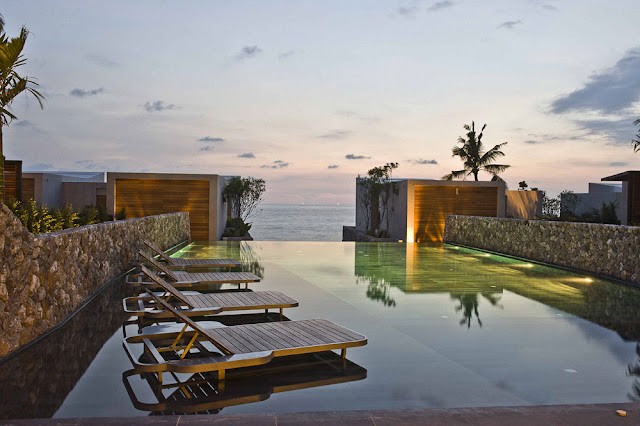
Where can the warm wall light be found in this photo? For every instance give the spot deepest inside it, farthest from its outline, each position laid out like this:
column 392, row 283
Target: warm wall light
column 588, row 280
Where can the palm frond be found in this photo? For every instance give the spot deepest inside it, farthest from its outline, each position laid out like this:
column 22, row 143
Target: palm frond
column 496, row 168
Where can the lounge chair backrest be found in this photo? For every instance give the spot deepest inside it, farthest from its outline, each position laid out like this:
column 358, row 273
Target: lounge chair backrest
column 165, row 285
column 159, row 266
column 185, row 319
column 157, row 250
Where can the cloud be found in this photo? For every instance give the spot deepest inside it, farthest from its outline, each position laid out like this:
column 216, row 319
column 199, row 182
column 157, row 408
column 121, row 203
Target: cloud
column 618, row 132
column 336, row 134
column 355, row 157
column 287, row 54
column 549, row 7
column 278, row 164
column 210, row 139
column 531, row 142
column 81, row 93
column 357, row 116
column 101, row 60
column 39, row 167
column 208, row 148
column 618, row 164
column 439, row 5
column 610, row 92
column 421, row 161
column 333, row 166
column 510, row 24
column 248, row 52
column 91, row 164
column 158, row 106
column 408, row 10
column 22, row 123
column 247, row 155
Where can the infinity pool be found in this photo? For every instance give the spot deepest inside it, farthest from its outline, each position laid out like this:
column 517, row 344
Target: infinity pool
column 447, row 327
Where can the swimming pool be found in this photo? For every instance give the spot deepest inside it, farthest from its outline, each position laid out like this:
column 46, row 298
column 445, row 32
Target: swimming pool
column 447, row 327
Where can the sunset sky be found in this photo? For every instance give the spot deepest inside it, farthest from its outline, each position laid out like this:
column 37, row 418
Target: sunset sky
column 309, row 94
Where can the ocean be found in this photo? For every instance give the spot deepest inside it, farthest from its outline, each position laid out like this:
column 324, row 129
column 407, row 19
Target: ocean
column 293, row 222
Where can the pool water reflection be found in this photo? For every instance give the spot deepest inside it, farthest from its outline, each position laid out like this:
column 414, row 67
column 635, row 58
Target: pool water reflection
column 447, row 327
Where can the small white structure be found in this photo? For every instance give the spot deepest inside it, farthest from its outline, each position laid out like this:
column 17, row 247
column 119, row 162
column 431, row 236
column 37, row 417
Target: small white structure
column 598, row 193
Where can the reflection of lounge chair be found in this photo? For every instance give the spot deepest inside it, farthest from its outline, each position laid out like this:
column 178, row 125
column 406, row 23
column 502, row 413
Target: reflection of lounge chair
column 196, row 349
column 185, row 280
column 201, row 393
column 197, row 304
column 179, row 263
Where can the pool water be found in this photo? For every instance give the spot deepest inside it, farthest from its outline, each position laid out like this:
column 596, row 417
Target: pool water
column 447, row 327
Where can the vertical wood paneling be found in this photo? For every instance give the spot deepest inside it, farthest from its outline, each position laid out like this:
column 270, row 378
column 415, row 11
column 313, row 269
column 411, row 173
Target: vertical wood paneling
column 433, row 203
column 28, row 189
column 12, row 179
column 634, row 199
column 146, row 197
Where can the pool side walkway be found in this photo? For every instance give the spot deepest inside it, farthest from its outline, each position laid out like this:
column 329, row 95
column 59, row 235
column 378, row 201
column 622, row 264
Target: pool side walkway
column 592, row 414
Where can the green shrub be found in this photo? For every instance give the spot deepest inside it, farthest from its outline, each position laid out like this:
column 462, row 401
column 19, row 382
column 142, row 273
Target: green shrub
column 122, row 214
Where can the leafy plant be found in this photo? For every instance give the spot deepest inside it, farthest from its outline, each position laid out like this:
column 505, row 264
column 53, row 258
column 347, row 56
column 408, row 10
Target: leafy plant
column 636, row 140
column 11, row 83
column 242, row 195
column 376, row 198
column 522, row 186
column 475, row 158
column 121, row 214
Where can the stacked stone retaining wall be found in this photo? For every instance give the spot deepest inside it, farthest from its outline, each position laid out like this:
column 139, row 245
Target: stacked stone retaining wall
column 611, row 250
column 44, row 278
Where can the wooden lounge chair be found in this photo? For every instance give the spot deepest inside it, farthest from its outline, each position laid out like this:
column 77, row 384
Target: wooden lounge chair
column 196, row 349
column 202, row 393
column 182, row 280
column 178, row 263
column 197, row 304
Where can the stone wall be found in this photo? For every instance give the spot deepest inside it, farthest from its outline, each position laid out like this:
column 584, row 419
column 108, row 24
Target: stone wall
column 611, row 250
column 44, row 278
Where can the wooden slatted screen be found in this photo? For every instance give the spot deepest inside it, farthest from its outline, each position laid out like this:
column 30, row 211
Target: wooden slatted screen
column 634, row 199
column 433, row 203
column 12, row 180
column 146, row 197
column 28, row 189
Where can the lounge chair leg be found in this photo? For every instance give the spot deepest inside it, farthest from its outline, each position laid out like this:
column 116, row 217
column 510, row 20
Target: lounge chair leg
column 280, row 314
column 266, row 312
column 221, row 375
column 343, row 354
column 160, row 377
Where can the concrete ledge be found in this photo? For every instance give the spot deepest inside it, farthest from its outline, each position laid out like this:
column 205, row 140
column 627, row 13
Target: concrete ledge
column 593, row 414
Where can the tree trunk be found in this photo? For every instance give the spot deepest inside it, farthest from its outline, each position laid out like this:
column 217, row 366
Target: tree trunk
column 375, row 211
column 475, row 174
column 1, row 168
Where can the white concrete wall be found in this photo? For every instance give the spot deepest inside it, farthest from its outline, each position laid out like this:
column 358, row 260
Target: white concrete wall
column 589, row 201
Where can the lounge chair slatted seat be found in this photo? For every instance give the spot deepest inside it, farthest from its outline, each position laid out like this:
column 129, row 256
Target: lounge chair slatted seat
column 241, row 345
column 186, row 280
column 198, row 304
column 180, row 263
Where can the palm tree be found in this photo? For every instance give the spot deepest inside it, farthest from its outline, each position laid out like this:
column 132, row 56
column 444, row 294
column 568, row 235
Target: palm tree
column 475, row 159
column 636, row 141
column 11, row 83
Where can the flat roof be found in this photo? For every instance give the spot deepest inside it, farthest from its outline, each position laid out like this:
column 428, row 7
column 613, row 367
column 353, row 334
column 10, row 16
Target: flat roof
column 624, row 176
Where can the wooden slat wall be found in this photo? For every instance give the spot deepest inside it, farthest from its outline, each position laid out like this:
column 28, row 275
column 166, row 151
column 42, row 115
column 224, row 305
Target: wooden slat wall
column 433, row 203
column 634, row 199
column 145, row 197
column 12, row 179
column 28, row 189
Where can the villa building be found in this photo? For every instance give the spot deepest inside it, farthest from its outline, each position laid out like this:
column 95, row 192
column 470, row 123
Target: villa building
column 421, row 205
column 140, row 194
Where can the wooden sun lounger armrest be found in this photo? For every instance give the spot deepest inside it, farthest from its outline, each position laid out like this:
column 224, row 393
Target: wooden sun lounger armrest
column 153, row 351
column 230, row 361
